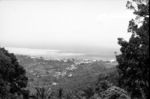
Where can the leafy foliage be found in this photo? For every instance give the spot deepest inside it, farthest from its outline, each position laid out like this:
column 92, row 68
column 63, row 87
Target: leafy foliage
column 12, row 75
column 134, row 58
column 42, row 93
column 115, row 92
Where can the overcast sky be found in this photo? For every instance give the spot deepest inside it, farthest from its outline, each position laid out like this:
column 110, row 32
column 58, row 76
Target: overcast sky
column 57, row 24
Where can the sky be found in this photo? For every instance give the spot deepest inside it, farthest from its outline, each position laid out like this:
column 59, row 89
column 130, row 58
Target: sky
column 63, row 24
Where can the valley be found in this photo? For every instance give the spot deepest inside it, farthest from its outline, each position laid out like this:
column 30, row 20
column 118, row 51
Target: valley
column 69, row 73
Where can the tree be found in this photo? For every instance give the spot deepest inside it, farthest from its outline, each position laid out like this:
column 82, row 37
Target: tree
column 43, row 93
column 134, row 58
column 12, row 76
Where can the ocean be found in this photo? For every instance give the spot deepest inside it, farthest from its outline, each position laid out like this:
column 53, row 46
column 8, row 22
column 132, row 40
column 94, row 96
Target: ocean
column 54, row 53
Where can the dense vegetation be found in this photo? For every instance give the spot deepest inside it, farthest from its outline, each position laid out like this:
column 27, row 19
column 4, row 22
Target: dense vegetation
column 134, row 59
column 12, row 76
column 92, row 80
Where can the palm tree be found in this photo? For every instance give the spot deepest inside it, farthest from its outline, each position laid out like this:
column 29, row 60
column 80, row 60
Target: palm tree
column 43, row 93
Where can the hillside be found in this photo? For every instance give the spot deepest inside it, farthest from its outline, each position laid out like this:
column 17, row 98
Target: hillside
column 66, row 73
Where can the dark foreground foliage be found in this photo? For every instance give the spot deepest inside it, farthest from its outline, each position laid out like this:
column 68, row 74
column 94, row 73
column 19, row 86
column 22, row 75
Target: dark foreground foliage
column 12, row 76
column 134, row 58
column 132, row 71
